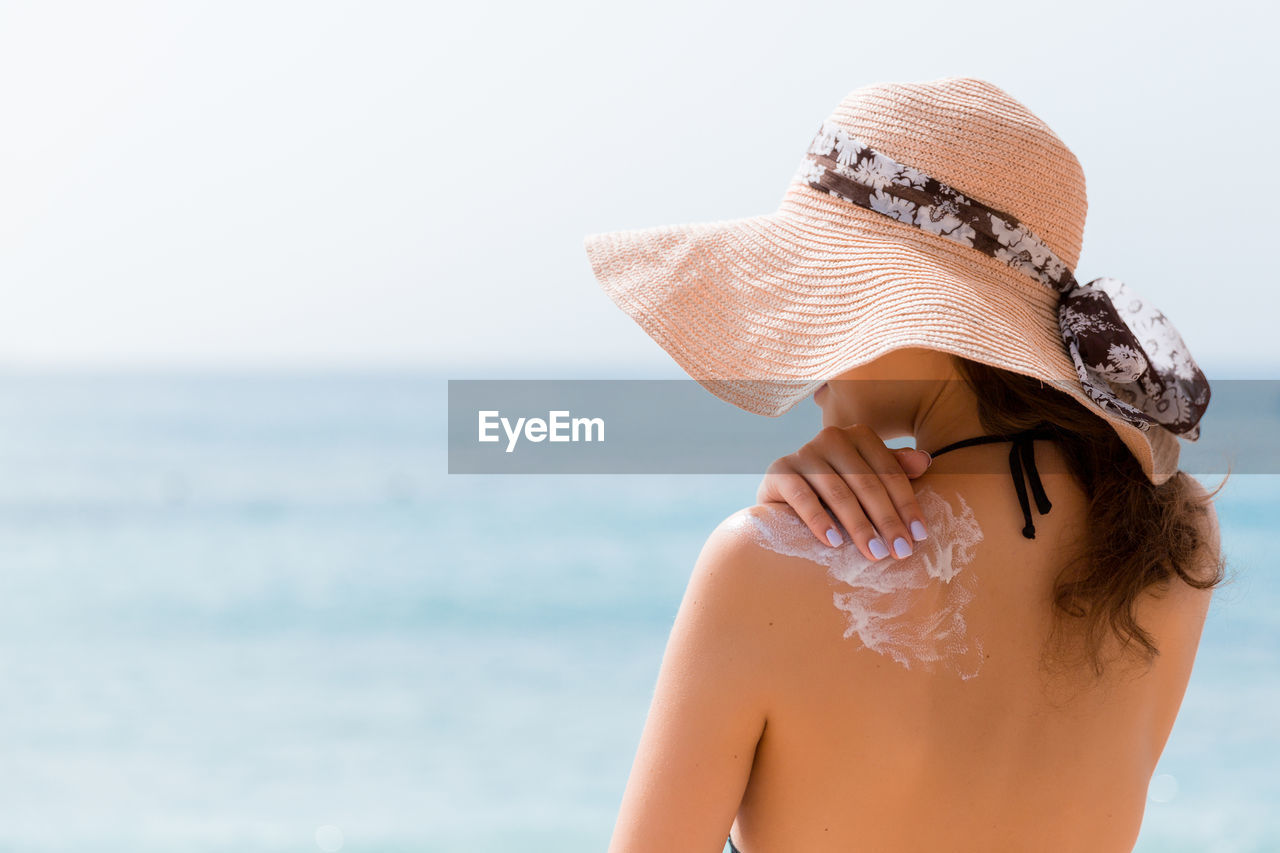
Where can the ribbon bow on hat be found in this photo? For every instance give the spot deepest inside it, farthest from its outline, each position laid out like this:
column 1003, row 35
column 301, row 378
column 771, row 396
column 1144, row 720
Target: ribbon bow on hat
column 1130, row 359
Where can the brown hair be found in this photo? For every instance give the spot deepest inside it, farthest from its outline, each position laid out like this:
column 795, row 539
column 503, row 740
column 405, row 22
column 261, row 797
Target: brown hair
column 1141, row 534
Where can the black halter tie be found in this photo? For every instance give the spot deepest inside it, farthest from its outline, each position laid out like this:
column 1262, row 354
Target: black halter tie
column 1022, row 453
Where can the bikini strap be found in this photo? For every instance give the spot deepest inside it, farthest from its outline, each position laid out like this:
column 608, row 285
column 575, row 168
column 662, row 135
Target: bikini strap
column 1021, row 455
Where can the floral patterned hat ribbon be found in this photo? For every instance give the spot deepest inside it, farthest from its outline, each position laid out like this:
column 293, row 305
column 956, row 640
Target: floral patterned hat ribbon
column 1130, row 359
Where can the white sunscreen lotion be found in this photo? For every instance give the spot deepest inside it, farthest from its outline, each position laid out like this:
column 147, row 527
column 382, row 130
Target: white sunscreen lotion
column 911, row 610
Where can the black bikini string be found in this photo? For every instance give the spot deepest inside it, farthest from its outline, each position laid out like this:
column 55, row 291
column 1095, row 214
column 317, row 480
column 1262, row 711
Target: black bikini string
column 1022, row 454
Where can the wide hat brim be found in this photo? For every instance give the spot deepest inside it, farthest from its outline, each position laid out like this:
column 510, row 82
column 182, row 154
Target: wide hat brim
column 762, row 310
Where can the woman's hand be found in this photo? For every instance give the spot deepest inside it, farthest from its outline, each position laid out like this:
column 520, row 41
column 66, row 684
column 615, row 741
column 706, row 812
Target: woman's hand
column 850, row 471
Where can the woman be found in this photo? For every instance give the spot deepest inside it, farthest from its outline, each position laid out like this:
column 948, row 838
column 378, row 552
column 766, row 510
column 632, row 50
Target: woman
column 897, row 659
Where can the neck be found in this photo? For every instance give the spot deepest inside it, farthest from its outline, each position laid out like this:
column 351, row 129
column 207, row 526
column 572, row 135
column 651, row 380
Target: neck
column 945, row 416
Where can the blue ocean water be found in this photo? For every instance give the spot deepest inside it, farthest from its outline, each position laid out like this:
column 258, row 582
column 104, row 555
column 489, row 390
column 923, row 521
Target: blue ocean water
column 254, row 613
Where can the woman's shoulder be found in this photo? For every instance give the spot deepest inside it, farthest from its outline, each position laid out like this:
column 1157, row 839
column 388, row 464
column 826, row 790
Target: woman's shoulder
column 766, row 552
column 763, row 531
column 764, row 560
column 751, row 596
column 762, row 547
column 770, row 536
column 909, row 610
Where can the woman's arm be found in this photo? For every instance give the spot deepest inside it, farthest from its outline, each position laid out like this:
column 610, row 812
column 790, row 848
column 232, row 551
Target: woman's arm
column 709, row 706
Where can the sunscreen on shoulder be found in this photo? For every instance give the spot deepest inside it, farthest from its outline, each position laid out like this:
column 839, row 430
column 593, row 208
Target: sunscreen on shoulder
column 911, row 610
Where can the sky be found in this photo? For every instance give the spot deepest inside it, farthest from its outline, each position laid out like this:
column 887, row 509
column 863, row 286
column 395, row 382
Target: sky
column 407, row 185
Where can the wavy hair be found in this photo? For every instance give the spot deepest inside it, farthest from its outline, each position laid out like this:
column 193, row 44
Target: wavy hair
column 1140, row 534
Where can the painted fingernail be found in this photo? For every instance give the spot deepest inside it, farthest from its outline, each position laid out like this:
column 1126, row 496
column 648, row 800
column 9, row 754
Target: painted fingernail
column 877, row 549
column 901, row 548
column 834, row 537
column 918, row 531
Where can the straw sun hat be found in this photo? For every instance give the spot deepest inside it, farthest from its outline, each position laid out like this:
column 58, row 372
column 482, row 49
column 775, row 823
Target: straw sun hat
column 940, row 214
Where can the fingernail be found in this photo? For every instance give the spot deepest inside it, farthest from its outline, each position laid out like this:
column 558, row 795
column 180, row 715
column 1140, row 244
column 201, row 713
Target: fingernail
column 918, row 531
column 929, row 457
column 834, row 537
column 877, row 549
column 901, row 548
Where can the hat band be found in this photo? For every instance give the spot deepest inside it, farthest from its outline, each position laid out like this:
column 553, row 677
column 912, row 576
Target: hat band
column 1130, row 359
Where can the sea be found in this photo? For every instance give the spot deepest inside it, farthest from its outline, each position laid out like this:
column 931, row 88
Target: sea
column 254, row 612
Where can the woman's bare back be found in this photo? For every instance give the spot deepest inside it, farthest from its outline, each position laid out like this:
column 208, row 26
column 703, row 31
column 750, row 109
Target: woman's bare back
column 956, row 733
